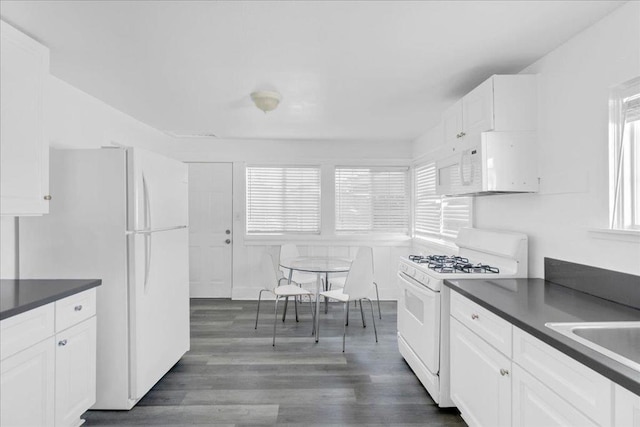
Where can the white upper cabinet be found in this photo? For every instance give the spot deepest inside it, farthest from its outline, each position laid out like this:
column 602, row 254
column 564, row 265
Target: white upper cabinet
column 452, row 123
column 501, row 103
column 477, row 109
column 24, row 149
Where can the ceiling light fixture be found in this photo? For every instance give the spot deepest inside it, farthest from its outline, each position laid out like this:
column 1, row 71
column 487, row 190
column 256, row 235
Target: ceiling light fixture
column 266, row 100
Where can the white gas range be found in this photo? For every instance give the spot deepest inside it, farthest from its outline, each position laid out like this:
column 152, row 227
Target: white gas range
column 423, row 310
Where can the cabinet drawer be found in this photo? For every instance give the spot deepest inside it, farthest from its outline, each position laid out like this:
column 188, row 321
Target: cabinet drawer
column 25, row 329
column 75, row 308
column 582, row 387
column 491, row 328
column 535, row 405
column 627, row 408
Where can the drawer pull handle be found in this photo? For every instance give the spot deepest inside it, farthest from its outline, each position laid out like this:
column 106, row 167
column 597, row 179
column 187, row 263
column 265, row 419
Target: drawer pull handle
column 474, row 316
column 504, row 372
column 62, row 343
column 77, row 307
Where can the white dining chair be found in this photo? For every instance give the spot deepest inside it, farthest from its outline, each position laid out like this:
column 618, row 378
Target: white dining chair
column 356, row 288
column 338, row 282
column 301, row 278
column 273, row 285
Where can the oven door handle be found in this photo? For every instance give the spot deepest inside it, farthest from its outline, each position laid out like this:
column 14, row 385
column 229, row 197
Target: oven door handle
column 415, row 285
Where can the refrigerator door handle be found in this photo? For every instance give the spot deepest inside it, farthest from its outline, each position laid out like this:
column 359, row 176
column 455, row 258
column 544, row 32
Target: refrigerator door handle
column 147, row 259
column 147, row 203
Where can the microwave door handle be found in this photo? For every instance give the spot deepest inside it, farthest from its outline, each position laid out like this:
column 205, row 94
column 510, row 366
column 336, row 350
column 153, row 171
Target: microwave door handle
column 462, row 177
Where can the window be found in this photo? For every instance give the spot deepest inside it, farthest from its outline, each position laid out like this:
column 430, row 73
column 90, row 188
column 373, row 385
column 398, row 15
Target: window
column 434, row 215
column 283, row 200
column 625, row 156
column 372, row 199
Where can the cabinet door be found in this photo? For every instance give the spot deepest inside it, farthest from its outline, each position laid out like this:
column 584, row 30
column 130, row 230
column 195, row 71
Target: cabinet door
column 477, row 109
column 452, row 123
column 27, row 386
column 480, row 381
column 627, row 408
column 75, row 371
column 536, row 405
column 24, row 151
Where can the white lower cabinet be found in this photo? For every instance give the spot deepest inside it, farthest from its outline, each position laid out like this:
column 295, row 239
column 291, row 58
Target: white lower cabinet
column 627, row 408
column 27, row 386
column 504, row 376
column 47, row 374
column 480, row 379
column 536, row 405
column 75, row 372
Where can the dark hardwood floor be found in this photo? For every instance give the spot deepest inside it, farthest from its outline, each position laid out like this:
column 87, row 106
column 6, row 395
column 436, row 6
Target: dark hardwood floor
column 233, row 376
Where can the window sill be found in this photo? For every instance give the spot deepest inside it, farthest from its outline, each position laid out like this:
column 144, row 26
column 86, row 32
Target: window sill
column 318, row 240
column 444, row 246
column 632, row 236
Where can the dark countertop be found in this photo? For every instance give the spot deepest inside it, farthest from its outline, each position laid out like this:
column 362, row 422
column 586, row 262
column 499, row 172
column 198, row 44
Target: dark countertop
column 530, row 303
column 20, row 295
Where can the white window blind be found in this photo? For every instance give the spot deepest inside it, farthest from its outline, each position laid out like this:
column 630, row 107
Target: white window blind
column 625, row 183
column 434, row 215
column 372, row 199
column 283, row 200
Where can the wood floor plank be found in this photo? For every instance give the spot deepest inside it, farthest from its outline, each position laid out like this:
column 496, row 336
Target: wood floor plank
column 233, row 376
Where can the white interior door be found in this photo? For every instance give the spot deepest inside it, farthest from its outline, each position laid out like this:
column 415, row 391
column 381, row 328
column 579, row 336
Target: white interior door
column 210, row 232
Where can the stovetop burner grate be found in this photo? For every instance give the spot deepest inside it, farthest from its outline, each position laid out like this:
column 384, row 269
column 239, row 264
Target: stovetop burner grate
column 452, row 264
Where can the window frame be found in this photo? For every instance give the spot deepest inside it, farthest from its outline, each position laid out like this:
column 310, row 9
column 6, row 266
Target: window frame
column 406, row 169
column 271, row 234
column 624, row 165
column 440, row 237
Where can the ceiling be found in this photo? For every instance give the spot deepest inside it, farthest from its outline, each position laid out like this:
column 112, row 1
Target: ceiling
column 346, row 70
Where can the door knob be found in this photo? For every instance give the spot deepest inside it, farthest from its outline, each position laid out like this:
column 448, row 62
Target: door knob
column 228, row 232
column 227, row 241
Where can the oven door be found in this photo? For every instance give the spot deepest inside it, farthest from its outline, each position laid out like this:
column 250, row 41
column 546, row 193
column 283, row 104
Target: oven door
column 419, row 320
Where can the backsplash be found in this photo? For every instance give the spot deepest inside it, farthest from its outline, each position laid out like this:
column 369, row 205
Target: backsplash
column 611, row 285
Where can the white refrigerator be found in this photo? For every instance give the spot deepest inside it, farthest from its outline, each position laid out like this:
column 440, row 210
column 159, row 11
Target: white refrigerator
column 120, row 215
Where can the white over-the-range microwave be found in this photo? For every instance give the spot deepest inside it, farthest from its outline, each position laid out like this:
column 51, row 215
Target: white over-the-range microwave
column 491, row 162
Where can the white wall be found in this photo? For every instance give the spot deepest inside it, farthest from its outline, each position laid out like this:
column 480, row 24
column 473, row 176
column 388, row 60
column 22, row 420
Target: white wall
column 327, row 154
column 8, row 260
column 77, row 120
column 574, row 84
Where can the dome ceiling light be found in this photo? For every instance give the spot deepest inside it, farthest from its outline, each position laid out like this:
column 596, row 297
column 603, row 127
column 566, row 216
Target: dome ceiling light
column 266, row 100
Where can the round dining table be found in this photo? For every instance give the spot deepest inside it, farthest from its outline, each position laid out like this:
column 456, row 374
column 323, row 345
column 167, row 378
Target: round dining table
column 322, row 266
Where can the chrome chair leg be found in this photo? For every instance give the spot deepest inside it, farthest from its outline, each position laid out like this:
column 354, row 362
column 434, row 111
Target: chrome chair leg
column 348, row 313
column 286, row 304
column 275, row 320
column 364, row 324
column 378, row 298
column 313, row 316
column 373, row 318
column 258, row 309
column 344, row 333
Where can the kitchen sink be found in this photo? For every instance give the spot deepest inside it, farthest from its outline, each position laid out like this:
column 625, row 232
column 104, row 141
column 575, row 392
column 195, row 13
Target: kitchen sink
column 617, row 340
